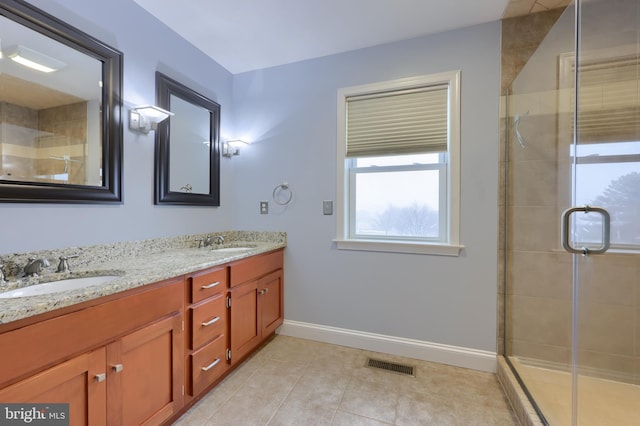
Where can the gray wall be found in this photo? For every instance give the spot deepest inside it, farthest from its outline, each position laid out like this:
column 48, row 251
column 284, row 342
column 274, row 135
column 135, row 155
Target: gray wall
column 147, row 46
column 289, row 112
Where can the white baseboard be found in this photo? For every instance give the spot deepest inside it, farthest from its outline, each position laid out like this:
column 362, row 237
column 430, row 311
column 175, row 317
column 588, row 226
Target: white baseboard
column 426, row 351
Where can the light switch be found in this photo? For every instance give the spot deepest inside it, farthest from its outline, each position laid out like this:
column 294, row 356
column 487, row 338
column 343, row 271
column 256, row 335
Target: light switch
column 327, row 207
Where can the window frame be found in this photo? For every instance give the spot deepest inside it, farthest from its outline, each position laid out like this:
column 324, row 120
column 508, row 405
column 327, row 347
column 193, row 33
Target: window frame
column 451, row 245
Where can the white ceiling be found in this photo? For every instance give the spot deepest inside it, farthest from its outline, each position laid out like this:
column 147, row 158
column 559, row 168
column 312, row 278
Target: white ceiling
column 244, row 35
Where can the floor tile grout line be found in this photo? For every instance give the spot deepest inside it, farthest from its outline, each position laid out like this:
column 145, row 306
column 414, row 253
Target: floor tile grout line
column 233, row 392
column 333, row 416
column 395, row 411
column 341, row 398
column 284, row 399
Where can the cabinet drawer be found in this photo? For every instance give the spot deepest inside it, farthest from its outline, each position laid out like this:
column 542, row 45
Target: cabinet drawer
column 208, row 320
column 208, row 284
column 207, row 364
column 255, row 267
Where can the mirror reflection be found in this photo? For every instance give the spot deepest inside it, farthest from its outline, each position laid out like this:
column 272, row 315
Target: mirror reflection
column 189, row 141
column 50, row 110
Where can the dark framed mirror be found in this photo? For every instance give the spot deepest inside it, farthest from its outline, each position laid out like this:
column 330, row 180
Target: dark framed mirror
column 187, row 158
column 60, row 111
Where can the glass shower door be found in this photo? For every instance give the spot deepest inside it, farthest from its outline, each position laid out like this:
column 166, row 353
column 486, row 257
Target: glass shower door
column 572, row 321
column 605, row 172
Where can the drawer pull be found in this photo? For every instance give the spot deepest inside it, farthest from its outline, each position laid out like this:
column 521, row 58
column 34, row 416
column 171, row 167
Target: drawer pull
column 213, row 321
column 210, row 366
column 100, row 377
column 117, row 368
column 264, row 291
column 212, row 285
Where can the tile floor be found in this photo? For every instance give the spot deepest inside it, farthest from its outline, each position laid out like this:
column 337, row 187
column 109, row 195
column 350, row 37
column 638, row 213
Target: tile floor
column 293, row 381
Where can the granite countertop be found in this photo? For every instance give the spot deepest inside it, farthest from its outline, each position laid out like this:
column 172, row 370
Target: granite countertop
column 137, row 263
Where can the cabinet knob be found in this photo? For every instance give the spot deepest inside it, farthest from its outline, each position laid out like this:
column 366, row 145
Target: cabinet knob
column 117, row 368
column 264, row 291
column 100, row 377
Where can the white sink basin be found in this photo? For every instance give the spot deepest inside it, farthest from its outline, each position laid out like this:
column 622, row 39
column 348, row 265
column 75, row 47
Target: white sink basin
column 57, row 286
column 233, row 249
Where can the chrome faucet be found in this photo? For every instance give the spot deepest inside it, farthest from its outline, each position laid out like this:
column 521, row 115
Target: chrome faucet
column 35, row 265
column 208, row 241
column 3, row 277
column 204, row 242
column 63, row 266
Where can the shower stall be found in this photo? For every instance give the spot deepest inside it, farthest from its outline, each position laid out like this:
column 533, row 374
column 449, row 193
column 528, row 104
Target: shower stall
column 571, row 211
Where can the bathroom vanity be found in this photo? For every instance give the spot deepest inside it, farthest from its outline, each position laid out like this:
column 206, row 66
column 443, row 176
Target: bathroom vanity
column 144, row 350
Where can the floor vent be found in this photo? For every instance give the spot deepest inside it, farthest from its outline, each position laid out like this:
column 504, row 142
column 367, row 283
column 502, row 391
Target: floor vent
column 405, row 370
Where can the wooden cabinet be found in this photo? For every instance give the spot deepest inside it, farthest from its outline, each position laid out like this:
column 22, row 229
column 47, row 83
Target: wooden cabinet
column 257, row 307
column 271, row 306
column 73, row 382
column 148, row 354
column 244, row 328
column 116, row 363
column 145, row 374
column 206, row 358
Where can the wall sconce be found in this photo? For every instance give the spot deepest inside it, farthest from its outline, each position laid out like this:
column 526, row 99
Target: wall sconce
column 33, row 59
column 145, row 118
column 231, row 148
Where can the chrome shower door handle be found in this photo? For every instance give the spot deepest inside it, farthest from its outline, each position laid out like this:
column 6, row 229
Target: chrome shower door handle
column 606, row 230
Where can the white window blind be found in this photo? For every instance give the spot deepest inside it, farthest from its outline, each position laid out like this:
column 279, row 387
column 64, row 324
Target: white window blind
column 608, row 100
column 402, row 122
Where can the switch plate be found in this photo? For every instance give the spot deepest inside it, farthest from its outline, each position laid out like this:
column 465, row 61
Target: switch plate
column 264, row 207
column 327, row 207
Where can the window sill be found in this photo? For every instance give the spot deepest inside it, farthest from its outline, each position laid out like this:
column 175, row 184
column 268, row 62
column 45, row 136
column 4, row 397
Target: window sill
column 400, row 247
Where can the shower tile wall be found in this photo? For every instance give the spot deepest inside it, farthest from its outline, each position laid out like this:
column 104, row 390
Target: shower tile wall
column 521, row 36
column 609, row 329
column 526, row 7
column 29, row 138
column 538, row 272
column 66, row 129
column 17, row 127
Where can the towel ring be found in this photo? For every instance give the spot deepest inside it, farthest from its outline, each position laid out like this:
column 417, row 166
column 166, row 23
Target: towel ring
column 283, row 187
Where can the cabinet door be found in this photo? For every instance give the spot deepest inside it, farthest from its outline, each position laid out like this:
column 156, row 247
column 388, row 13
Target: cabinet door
column 145, row 374
column 270, row 291
column 245, row 328
column 74, row 382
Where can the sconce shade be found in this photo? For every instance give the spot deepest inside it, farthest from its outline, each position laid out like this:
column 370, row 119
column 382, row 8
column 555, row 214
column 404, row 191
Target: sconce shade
column 232, row 147
column 34, row 60
column 146, row 117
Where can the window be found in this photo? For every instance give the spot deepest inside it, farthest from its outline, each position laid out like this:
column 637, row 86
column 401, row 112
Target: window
column 608, row 175
column 398, row 165
column 606, row 158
